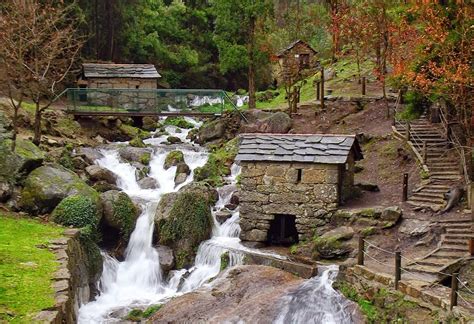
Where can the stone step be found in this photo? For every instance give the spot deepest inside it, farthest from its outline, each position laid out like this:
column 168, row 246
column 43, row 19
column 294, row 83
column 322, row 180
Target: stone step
column 425, row 194
column 435, row 262
column 434, row 191
column 459, row 236
column 435, row 207
column 423, row 269
column 459, row 230
column 453, row 255
column 444, row 168
column 446, row 177
column 447, row 172
column 460, row 242
column 429, row 200
column 453, row 247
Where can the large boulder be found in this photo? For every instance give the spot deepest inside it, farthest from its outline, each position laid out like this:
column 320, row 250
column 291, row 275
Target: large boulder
column 166, row 257
column 98, row 173
column 211, row 131
column 77, row 211
column 46, row 186
column 183, row 220
column 119, row 212
column 89, row 154
column 15, row 165
column 264, row 122
column 134, row 154
column 148, row 183
column 331, row 244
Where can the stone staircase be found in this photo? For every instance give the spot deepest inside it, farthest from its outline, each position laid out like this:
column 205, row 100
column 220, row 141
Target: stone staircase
column 452, row 248
column 441, row 163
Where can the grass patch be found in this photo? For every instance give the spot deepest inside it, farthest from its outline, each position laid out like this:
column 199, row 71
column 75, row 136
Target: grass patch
column 25, row 269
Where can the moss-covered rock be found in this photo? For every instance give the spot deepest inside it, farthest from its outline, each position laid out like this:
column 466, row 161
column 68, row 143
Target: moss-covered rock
column 178, row 122
column 173, row 140
column 77, row 211
column 183, row 221
column 145, row 158
column 331, row 244
column 133, row 132
column 133, row 154
column 46, row 186
column 173, row 159
column 137, row 142
column 150, row 123
column 15, row 165
column 119, row 212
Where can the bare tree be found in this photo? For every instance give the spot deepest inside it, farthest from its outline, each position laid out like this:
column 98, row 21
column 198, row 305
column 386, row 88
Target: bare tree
column 39, row 45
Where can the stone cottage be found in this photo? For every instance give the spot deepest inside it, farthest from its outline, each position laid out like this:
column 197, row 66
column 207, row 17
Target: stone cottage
column 289, row 183
column 122, row 85
column 295, row 58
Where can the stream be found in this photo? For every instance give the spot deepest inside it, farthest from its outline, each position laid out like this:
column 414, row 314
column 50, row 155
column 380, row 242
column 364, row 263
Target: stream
column 138, row 282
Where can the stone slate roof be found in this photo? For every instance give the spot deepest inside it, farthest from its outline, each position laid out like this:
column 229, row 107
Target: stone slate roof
column 289, row 47
column 310, row 148
column 109, row 70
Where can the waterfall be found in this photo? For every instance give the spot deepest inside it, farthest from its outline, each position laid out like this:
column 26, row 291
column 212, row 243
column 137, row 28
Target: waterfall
column 315, row 301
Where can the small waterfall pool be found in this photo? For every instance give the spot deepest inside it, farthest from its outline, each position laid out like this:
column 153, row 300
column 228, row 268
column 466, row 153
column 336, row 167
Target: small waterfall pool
column 138, row 282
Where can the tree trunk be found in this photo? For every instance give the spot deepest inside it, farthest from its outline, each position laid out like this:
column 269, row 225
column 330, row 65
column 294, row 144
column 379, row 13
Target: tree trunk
column 251, row 72
column 37, row 125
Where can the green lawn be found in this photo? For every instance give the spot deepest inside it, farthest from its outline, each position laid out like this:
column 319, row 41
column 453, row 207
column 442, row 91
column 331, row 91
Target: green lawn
column 25, row 269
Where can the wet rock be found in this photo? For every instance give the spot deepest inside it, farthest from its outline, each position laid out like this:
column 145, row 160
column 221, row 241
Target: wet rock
column 103, row 186
column 254, row 235
column 414, row 227
column 234, row 199
column 248, row 294
column 119, row 212
column 182, row 172
column 79, row 163
column 46, row 186
column 174, row 140
column 148, row 183
column 137, row 142
column 223, row 215
column 231, row 206
column 180, row 178
column 89, row 154
column 150, row 123
column 141, row 171
column 331, row 244
column 166, row 257
column 173, row 159
column 133, row 154
column 98, row 173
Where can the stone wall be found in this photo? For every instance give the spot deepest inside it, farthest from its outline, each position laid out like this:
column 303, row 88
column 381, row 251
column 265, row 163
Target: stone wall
column 268, row 189
column 72, row 282
column 122, row 99
column 347, row 176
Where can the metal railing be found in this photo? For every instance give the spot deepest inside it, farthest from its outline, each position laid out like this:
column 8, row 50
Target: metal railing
column 143, row 102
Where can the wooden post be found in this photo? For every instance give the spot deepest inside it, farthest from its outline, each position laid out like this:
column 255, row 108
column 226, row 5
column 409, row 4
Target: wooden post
column 360, row 254
column 322, row 89
column 407, row 131
column 398, row 268
column 363, row 85
column 454, row 290
column 425, row 153
column 405, row 187
column 318, row 90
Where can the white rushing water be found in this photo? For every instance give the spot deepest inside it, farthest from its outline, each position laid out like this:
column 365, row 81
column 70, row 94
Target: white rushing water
column 316, row 301
column 138, row 280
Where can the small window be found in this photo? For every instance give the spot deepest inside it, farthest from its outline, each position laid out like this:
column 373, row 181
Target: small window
column 137, row 87
column 299, row 175
column 304, row 60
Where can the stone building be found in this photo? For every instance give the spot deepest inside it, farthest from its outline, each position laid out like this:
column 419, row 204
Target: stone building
column 118, row 85
column 291, row 183
column 299, row 56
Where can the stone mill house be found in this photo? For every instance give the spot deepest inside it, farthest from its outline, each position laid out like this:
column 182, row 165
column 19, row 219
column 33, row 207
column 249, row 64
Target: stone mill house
column 118, row 85
column 290, row 183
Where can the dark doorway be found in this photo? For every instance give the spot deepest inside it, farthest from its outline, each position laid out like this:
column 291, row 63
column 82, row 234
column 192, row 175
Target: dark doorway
column 283, row 230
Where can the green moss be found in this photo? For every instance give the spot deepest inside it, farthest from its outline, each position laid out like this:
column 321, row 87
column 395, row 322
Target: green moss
column 124, row 213
column 26, row 269
column 368, row 231
column 27, row 150
column 225, row 260
column 173, row 158
column 218, row 163
column 76, row 211
column 135, row 315
column 178, row 122
column 151, row 310
column 145, row 158
column 424, row 174
column 134, row 132
column 368, row 212
column 137, row 142
column 66, row 159
column 68, row 127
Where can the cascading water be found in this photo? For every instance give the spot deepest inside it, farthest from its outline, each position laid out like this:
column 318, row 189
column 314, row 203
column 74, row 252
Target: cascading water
column 316, row 301
column 137, row 282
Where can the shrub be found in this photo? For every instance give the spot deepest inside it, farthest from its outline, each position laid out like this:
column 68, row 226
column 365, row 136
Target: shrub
column 77, row 211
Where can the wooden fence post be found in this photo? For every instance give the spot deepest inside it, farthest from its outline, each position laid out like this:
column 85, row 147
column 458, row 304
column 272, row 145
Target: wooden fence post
column 454, row 290
column 363, row 85
column 405, row 187
column 398, row 266
column 407, row 131
column 318, row 90
column 322, row 89
column 360, row 254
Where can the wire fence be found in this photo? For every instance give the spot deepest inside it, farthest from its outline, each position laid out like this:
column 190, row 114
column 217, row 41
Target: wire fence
column 457, row 290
